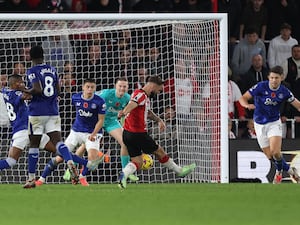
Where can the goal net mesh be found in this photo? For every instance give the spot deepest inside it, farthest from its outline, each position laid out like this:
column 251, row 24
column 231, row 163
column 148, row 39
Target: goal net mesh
column 184, row 53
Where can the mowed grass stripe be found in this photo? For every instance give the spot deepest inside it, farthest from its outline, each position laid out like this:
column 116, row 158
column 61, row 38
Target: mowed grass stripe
column 145, row 204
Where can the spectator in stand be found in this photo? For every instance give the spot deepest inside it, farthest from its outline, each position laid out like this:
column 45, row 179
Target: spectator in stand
column 4, row 120
column 291, row 70
column 199, row 5
column 56, row 6
column 95, row 67
column 254, row 15
column 155, row 61
column 280, row 47
column 15, row 6
column 141, row 74
column 79, row 6
column 231, row 134
column 69, row 69
column 187, row 90
column 233, row 9
column 103, row 6
column 234, row 94
column 249, row 132
column 170, row 135
column 244, row 51
column 57, row 50
column 282, row 11
column 256, row 73
column 140, row 56
column 25, row 56
column 123, row 66
column 67, row 112
column 19, row 68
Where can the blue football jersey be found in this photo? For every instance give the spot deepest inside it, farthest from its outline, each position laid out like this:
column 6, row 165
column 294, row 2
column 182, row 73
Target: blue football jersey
column 87, row 111
column 113, row 103
column 45, row 104
column 17, row 109
column 267, row 101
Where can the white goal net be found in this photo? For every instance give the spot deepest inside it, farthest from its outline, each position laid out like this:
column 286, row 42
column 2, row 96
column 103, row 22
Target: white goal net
column 188, row 51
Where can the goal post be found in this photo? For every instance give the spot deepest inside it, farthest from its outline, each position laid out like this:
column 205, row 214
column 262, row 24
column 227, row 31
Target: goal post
column 189, row 51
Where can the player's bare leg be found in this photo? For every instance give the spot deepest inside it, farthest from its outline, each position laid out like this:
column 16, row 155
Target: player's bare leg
column 125, row 158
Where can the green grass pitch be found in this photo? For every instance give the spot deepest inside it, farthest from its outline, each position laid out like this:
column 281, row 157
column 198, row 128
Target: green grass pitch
column 153, row 204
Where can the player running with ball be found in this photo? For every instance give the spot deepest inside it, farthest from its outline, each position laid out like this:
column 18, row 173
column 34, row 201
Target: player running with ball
column 268, row 96
column 135, row 134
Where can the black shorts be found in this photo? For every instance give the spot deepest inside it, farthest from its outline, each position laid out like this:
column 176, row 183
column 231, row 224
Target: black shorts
column 138, row 143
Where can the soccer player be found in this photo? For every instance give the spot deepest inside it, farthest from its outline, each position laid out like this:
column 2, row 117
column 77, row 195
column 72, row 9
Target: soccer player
column 115, row 99
column 86, row 129
column 18, row 116
column 43, row 84
column 135, row 134
column 268, row 96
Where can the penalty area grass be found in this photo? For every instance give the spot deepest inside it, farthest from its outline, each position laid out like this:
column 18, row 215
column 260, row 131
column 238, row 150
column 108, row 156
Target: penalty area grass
column 160, row 204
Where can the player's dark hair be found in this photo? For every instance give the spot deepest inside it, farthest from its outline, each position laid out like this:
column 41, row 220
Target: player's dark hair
column 120, row 79
column 36, row 52
column 155, row 79
column 13, row 78
column 277, row 69
column 89, row 80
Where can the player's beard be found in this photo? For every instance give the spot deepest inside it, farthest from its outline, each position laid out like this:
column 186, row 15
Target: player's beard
column 152, row 95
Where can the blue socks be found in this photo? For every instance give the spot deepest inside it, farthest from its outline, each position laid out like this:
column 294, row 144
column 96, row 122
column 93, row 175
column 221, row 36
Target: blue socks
column 7, row 163
column 33, row 157
column 49, row 168
column 281, row 164
column 79, row 160
column 63, row 150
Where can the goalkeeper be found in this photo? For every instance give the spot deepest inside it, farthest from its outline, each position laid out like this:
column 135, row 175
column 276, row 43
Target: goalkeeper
column 115, row 99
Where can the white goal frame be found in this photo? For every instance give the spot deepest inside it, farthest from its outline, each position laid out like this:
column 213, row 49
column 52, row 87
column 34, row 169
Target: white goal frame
column 223, row 65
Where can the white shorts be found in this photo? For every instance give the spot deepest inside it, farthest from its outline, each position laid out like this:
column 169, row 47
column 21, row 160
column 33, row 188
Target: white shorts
column 20, row 140
column 39, row 125
column 265, row 131
column 77, row 138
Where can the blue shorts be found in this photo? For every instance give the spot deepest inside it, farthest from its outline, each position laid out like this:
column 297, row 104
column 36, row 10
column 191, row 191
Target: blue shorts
column 110, row 125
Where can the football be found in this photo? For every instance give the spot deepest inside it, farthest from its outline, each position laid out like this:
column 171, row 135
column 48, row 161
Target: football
column 147, row 161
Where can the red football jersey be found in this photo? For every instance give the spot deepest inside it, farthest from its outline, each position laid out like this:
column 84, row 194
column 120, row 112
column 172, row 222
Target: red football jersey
column 136, row 120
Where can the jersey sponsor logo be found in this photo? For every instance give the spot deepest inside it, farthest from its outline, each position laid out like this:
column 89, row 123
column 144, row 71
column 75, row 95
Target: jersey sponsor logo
column 31, row 76
column 111, row 109
column 78, row 103
column 84, row 113
column 270, row 102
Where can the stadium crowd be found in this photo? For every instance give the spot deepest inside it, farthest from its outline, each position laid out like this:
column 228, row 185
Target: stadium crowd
column 262, row 34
